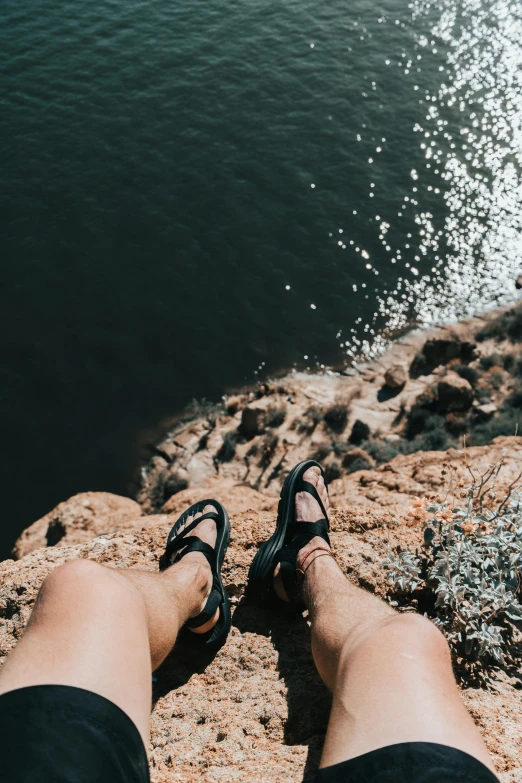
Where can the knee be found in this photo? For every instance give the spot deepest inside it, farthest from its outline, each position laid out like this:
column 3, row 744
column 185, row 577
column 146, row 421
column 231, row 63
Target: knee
column 414, row 633
column 399, row 634
column 84, row 582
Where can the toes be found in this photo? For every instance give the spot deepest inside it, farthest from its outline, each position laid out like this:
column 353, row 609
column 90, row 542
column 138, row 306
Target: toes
column 321, row 489
column 208, row 508
column 312, row 475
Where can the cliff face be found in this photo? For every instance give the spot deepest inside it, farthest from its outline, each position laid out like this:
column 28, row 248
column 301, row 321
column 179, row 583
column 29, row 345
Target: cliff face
column 258, row 710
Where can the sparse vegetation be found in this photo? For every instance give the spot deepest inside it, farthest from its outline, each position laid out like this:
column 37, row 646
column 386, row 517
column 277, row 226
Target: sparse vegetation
column 228, row 448
column 336, row 416
column 204, row 409
column 467, row 577
column 496, row 378
column 357, row 464
column 321, row 451
column 313, row 416
column 275, row 416
column 508, row 324
column 467, row 372
column 360, row 432
column 332, row 471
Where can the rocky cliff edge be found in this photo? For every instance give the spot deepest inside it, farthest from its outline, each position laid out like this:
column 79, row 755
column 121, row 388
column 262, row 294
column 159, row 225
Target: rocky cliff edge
column 258, row 711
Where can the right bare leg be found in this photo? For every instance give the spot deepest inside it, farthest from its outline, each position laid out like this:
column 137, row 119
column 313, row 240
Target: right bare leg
column 390, row 674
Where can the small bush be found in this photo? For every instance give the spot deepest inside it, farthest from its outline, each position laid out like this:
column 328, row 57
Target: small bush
column 505, row 423
column 416, row 421
column 433, row 440
column 359, row 464
column 515, row 398
column 322, row 450
column 360, row 431
column 483, row 394
column 383, row 450
column 275, row 416
column 423, row 420
column 468, row 373
column 493, row 360
column 516, row 369
column 173, row 484
column 336, row 416
column 228, row 448
column 467, row 577
column 341, row 447
column 332, row 471
column 457, row 424
column 496, row 378
column 312, row 417
column 204, row 409
column 508, row 324
column 267, row 449
column 509, row 363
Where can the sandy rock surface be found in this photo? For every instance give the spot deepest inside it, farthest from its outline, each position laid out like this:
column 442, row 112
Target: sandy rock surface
column 78, row 519
column 258, row 711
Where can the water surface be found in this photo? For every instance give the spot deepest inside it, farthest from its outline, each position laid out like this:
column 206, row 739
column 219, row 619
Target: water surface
column 196, row 194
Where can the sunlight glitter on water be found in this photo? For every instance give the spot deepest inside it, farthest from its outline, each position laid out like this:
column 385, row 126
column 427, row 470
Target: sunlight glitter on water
column 471, row 142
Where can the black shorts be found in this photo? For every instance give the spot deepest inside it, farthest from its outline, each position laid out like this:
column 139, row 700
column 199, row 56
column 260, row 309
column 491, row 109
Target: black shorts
column 59, row 734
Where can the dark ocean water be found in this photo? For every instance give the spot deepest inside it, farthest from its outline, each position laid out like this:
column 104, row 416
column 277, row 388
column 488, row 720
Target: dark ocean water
column 197, row 194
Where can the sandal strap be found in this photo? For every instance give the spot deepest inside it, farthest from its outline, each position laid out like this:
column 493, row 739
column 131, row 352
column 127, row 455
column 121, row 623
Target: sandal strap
column 214, row 601
column 182, row 539
column 300, row 533
column 304, row 486
column 190, row 544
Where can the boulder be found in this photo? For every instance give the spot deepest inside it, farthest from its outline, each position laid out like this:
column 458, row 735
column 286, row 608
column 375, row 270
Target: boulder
column 485, row 412
column 518, row 283
column 358, row 459
column 454, row 393
column 253, row 420
column 395, row 376
column 78, row 519
column 439, row 351
column 175, row 482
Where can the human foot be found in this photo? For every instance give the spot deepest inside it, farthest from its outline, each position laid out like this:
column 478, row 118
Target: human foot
column 307, row 509
column 206, row 532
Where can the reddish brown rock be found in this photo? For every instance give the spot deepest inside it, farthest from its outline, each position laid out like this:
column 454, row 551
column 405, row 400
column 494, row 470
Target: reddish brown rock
column 396, row 376
column 259, row 710
column 454, row 393
column 78, row 519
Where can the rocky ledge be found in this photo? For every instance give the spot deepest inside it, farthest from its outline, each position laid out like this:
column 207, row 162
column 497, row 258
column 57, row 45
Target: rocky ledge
column 258, row 710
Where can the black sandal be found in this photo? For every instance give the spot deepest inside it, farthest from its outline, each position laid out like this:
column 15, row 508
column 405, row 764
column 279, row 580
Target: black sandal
column 289, row 536
column 218, row 598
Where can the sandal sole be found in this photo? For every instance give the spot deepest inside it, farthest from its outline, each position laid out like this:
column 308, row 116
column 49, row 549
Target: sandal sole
column 224, row 622
column 262, row 566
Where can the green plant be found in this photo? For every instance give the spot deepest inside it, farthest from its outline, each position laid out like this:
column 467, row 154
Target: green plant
column 311, row 419
column 227, row 449
column 508, row 324
column 336, row 416
column 469, row 373
column 204, row 409
column 322, row 450
column 358, row 464
column 468, row 576
column 496, row 379
column 332, row 471
column 505, row 423
column 383, row 450
column 275, row 416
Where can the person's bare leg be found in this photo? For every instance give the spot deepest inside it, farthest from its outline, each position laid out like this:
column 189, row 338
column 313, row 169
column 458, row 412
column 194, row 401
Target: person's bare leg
column 390, row 674
column 106, row 630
